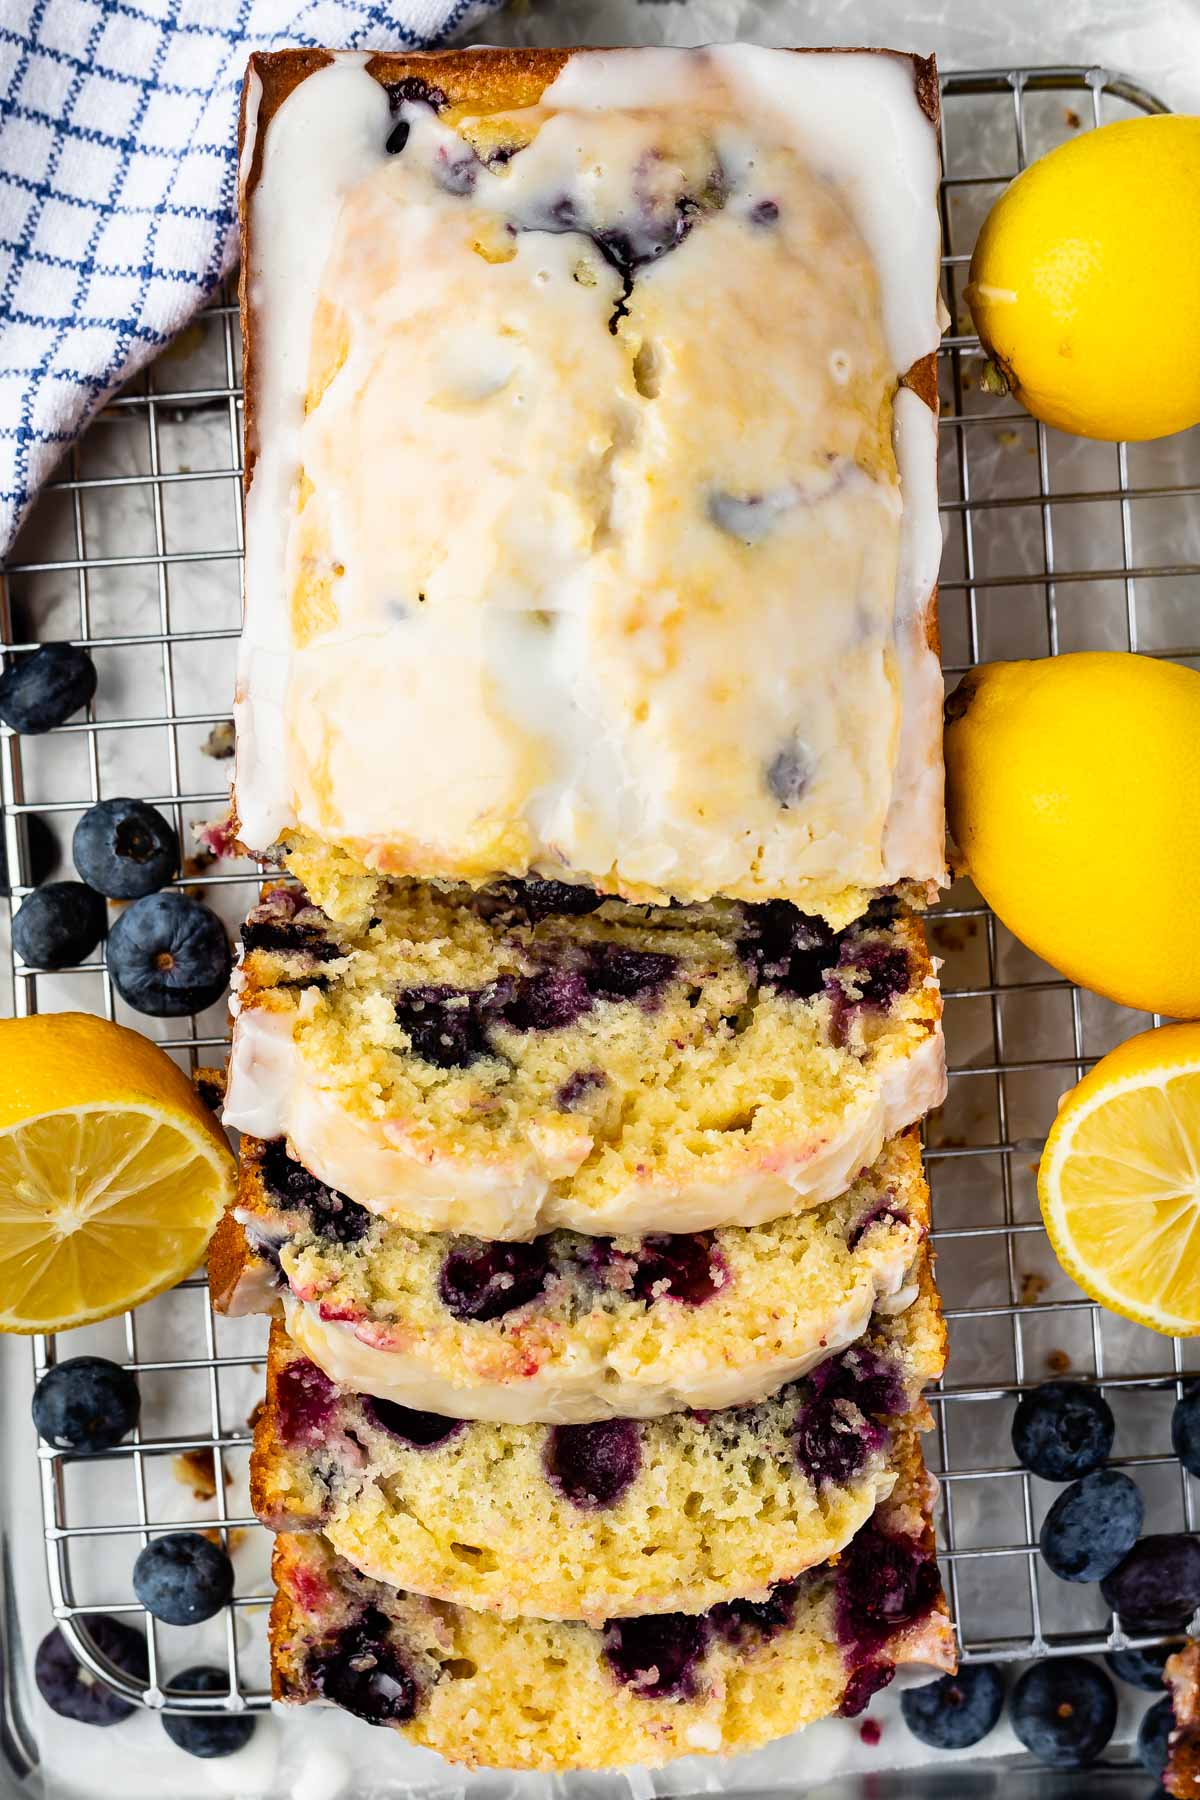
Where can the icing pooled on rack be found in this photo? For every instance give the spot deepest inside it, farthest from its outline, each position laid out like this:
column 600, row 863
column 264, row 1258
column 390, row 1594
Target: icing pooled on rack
column 588, row 546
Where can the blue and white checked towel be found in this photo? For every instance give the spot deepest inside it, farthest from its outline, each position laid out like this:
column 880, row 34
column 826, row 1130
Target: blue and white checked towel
column 117, row 186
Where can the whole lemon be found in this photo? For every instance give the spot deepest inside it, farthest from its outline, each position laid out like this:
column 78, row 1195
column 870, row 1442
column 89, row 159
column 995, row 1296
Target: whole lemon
column 1073, row 793
column 1085, row 282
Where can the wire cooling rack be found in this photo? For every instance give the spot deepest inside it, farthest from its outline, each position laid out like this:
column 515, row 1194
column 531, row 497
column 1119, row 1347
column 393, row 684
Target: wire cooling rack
column 1051, row 545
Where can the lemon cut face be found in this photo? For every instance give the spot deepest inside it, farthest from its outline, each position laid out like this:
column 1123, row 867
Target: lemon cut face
column 110, row 1198
column 1119, row 1181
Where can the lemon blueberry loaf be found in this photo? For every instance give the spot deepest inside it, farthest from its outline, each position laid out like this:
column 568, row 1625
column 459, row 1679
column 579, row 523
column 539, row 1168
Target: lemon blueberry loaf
column 1182, row 1677
column 538, row 1694
column 566, row 1329
column 596, row 1521
column 641, row 345
column 506, row 1060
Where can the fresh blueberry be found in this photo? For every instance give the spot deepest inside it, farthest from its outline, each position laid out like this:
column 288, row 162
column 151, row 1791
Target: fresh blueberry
column 1157, row 1587
column 124, row 848
column 493, row 1278
column 70, row 1689
column 420, row 1429
column 592, row 1465
column 658, row 1656
column 85, row 1404
column 765, row 213
column 1185, row 1429
column 1092, row 1526
column 365, row 1674
column 43, row 851
column 1064, row 1711
column 169, row 956
column 182, row 1578
column 1062, row 1430
column 40, row 691
column 957, row 1710
column 206, row 1734
column 1153, row 1738
column 1141, row 1668
column 59, row 925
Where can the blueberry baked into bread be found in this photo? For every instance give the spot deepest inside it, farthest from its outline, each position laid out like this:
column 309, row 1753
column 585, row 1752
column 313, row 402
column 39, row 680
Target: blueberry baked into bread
column 567, row 1329
column 599, row 1520
column 591, row 512
column 537, row 1694
column 507, row 1060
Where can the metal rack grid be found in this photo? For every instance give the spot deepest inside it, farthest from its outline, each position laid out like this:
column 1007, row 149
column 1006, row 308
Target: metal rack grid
column 977, row 1153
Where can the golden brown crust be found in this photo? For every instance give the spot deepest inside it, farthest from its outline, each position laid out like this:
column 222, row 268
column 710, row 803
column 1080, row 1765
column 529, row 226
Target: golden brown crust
column 229, row 1256
column 1182, row 1674
column 266, row 1426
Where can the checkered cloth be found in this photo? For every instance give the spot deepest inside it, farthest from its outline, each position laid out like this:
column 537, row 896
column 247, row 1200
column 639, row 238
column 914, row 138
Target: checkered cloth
column 118, row 178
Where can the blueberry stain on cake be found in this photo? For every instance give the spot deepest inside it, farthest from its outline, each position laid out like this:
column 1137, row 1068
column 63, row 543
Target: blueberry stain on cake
column 835, row 1434
column 491, row 1279
column 686, row 1268
column 305, row 1402
column 289, row 1183
column 286, row 922
column 788, row 950
column 658, row 1656
column 452, row 1027
column 446, row 1026
column 883, row 1585
column 366, row 1674
column 422, row 1430
column 746, row 1623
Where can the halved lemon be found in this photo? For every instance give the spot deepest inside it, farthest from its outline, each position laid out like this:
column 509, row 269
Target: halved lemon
column 113, row 1173
column 1119, row 1181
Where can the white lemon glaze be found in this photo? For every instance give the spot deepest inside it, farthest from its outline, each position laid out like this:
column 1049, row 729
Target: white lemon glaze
column 637, row 666
column 583, row 1388
column 274, row 1092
